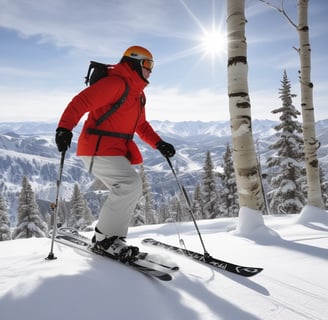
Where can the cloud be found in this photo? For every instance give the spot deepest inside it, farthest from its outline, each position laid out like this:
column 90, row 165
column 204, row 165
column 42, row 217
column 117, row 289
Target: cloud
column 32, row 105
column 100, row 25
column 23, row 72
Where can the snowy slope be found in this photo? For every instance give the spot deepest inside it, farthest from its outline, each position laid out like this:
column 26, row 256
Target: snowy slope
column 293, row 285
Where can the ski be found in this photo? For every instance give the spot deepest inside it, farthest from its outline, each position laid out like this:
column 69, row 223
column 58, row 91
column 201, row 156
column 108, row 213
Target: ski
column 217, row 263
column 151, row 258
column 141, row 263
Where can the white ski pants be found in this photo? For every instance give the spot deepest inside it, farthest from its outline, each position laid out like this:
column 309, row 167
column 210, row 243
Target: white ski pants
column 125, row 187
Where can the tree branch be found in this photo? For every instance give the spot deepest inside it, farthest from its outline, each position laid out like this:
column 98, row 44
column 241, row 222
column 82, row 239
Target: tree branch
column 281, row 10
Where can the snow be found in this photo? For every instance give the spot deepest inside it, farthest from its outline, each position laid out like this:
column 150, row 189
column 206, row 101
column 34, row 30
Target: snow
column 292, row 249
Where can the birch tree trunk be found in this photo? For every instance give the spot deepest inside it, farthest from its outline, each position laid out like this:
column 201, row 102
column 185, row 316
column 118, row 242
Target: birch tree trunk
column 244, row 157
column 310, row 142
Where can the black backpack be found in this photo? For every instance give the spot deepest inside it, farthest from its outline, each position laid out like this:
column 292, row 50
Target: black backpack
column 96, row 71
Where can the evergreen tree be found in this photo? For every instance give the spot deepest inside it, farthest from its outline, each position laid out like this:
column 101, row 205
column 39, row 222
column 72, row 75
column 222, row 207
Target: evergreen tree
column 209, row 190
column 5, row 233
column 80, row 213
column 164, row 214
column 30, row 223
column 287, row 195
column 138, row 218
column 197, row 203
column 179, row 207
column 229, row 206
column 176, row 209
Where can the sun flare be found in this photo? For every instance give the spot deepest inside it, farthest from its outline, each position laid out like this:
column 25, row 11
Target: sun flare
column 214, row 42
column 211, row 40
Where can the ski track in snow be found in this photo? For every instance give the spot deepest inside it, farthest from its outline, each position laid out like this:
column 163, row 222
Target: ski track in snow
column 302, row 299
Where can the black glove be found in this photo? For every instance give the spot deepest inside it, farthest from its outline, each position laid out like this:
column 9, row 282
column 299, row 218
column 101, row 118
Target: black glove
column 63, row 139
column 166, row 149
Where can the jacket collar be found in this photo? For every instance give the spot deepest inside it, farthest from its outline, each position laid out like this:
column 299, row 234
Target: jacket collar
column 131, row 76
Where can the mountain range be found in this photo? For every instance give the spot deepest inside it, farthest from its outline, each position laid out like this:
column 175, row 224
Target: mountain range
column 29, row 149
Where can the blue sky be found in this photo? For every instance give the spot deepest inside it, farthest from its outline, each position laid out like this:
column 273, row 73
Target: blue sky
column 46, row 47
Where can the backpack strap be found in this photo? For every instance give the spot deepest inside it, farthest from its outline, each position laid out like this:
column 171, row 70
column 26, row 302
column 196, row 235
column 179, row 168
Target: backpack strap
column 99, row 132
column 115, row 106
column 97, row 71
column 107, row 114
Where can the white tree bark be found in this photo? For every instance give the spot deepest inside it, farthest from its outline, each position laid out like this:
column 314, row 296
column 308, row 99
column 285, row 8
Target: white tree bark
column 310, row 142
column 244, row 156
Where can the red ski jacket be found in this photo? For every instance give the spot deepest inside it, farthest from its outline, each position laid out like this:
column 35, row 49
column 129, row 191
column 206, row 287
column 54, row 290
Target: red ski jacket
column 127, row 119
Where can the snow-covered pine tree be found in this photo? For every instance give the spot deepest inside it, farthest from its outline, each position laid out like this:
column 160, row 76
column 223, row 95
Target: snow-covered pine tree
column 30, row 223
column 229, row 206
column 177, row 208
column 164, row 214
column 138, row 218
column 197, row 203
column 80, row 214
column 209, row 190
column 287, row 162
column 244, row 157
column 5, row 233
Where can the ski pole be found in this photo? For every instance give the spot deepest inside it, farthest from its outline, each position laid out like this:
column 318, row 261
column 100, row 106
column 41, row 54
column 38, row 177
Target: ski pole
column 51, row 255
column 185, row 196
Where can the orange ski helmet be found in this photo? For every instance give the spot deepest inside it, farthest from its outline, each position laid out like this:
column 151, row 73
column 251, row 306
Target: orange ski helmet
column 141, row 54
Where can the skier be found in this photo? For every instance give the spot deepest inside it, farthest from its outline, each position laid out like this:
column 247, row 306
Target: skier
column 108, row 149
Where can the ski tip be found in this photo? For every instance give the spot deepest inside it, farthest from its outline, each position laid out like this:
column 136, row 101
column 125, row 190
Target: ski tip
column 147, row 240
column 164, row 277
column 248, row 271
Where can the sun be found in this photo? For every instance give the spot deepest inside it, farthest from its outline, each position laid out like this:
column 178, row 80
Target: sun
column 210, row 43
column 214, row 43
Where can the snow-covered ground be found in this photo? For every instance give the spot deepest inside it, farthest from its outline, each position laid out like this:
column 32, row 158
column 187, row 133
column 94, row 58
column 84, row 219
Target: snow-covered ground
column 81, row 286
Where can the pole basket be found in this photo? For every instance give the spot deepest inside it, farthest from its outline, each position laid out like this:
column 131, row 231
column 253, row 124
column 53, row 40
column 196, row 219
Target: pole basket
column 51, row 256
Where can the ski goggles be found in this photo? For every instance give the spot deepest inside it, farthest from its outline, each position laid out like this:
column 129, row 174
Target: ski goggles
column 147, row 64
